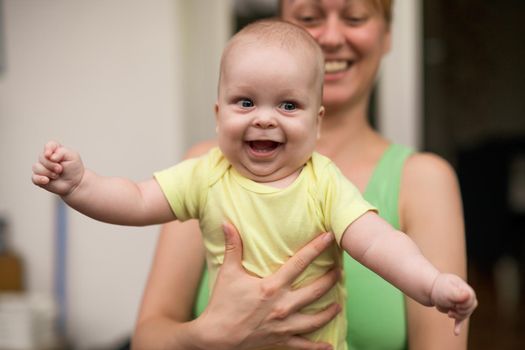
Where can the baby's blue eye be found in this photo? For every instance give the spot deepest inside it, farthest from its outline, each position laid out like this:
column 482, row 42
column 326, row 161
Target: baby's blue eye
column 245, row 103
column 288, row 106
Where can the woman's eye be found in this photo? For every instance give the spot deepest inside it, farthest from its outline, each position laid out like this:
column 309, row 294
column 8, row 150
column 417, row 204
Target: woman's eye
column 308, row 17
column 355, row 21
column 288, row 106
column 245, row 103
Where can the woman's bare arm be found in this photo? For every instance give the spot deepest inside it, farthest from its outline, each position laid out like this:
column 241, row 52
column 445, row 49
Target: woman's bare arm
column 166, row 307
column 431, row 214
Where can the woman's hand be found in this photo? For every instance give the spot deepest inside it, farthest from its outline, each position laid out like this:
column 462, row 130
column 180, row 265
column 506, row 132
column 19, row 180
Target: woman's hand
column 247, row 312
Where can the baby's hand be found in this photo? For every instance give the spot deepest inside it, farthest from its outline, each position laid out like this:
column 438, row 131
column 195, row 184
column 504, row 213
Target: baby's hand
column 58, row 169
column 453, row 296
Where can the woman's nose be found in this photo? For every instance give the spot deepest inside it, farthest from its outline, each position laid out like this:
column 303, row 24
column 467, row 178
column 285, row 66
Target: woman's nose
column 330, row 36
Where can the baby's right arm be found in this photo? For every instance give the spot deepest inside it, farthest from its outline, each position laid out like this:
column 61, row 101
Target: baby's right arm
column 109, row 199
column 395, row 257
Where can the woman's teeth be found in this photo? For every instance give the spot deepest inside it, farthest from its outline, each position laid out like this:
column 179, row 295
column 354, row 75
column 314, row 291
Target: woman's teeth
column 335, row 66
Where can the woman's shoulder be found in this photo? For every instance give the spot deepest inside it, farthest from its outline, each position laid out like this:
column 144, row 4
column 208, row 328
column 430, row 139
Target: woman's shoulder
column 429, row 189
column 426, row 167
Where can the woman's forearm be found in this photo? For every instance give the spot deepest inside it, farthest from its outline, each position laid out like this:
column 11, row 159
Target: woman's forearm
column 166, row 334
column 166, row 309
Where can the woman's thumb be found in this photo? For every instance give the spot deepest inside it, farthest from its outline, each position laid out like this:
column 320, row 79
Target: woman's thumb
column 232, row 244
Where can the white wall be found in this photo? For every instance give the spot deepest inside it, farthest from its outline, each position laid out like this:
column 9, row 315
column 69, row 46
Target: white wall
column 400, row 96
column 208, row 24
column 104, row 77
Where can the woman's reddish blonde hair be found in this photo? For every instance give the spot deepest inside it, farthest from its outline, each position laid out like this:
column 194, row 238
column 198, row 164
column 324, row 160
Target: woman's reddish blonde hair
column 385, row 6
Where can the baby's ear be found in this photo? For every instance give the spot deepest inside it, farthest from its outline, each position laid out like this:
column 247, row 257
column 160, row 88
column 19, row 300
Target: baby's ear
column 216, row 110
column 320, row 117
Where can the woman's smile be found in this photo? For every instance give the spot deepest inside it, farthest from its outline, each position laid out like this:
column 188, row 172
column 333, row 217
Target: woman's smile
column 335, row 66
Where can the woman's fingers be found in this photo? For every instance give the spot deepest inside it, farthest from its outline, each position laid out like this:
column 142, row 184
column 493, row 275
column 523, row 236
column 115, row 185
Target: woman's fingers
column 299, row 323
column 300, row 260
column 300, row 343
column 259, row 312
column 304, row 296
column 232, row 246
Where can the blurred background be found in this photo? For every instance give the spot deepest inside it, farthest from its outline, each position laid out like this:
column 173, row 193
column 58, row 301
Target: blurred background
column 131, row 84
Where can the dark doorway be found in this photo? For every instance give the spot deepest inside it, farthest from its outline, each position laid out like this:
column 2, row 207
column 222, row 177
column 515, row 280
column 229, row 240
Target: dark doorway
column 474, row 98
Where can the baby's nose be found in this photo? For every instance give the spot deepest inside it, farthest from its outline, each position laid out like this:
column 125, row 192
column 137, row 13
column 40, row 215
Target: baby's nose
column 265, row 121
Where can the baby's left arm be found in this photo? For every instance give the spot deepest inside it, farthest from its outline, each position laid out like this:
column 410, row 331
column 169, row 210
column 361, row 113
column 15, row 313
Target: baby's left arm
column 395, row 257
column 114, row 200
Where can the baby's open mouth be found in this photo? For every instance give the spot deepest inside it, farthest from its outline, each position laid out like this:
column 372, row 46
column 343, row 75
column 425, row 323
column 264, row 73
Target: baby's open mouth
column 263, row 146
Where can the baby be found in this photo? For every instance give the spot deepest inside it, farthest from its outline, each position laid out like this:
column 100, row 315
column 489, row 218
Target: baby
column 265, row 179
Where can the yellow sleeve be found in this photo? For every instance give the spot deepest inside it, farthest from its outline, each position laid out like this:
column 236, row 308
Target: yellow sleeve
column 343, row 203
column 184, row 186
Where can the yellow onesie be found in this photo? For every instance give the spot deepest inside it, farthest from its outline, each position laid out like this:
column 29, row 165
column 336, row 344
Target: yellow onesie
column 274, row 223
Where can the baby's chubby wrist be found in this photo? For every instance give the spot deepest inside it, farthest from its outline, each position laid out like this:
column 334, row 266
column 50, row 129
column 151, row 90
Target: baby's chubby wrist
column 432, row 299
column 76, row 186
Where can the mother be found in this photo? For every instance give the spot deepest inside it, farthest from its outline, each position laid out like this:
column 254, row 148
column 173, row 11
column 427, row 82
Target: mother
column 414, row 191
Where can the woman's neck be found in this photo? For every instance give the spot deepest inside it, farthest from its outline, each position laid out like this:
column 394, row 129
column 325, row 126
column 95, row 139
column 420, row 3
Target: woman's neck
column 350, row 142
column 345, row 130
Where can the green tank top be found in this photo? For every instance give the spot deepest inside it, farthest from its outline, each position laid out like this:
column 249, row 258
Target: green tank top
column 375, row 310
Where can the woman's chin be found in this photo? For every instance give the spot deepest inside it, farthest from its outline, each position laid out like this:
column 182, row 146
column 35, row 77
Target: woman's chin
column 337, row 97
column 336, row 100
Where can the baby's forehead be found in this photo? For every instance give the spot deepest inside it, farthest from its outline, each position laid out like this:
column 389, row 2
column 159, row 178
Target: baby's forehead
column 247, row 45
column 279, row 42
column 275, row 41
column 253, row 60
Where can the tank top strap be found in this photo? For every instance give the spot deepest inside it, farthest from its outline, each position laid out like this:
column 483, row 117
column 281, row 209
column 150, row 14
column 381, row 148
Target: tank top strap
column 384, row 184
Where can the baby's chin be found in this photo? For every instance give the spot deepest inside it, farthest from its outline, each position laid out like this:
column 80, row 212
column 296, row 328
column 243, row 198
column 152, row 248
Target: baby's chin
column 280, row 178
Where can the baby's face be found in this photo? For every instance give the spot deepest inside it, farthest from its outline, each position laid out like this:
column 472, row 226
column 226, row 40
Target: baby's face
column 268, row 110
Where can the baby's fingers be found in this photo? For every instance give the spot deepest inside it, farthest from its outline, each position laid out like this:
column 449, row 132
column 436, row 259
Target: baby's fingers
column 457, row 326
column 458, row 316
column 40, row 169
column 466, row 300
column 40, row 180
column 50, row 165
column 41, row 175
column 50, row 148
column 55, row 152
column 61, row 154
